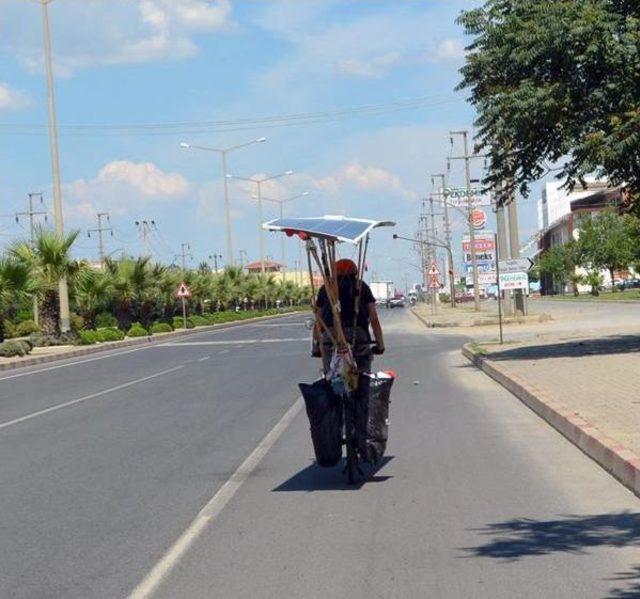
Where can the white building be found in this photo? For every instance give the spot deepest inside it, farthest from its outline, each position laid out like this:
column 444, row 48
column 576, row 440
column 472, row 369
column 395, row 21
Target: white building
column 556, row 202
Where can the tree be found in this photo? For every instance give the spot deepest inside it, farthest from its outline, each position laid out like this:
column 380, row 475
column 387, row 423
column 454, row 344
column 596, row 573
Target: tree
column 48, row 260
column 555, row 82
column 91, row 291
column 132, row 281
column 15, row 284
column 559, row 262
column 609, row 241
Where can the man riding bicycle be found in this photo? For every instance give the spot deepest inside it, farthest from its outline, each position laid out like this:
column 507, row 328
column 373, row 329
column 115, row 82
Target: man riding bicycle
column 354, row 295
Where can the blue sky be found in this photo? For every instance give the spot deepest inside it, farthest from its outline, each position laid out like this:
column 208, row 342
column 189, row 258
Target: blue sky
column 124, row 64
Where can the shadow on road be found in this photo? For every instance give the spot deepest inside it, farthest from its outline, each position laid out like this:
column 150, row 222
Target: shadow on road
column 314, row 478
column 615, row 344
column 524, row 537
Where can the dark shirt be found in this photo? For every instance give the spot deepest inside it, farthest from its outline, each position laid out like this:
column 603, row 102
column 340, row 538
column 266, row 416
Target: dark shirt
column 348, row 290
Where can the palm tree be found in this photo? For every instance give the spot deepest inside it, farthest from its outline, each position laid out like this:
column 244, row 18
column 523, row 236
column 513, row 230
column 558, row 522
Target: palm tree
column 16, row 284
column 131, row 281
column 48, row 260
column 91, row 289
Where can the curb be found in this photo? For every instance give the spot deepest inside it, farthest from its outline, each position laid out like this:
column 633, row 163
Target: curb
column 490, row 322
column 615, row 458
column 153, row 340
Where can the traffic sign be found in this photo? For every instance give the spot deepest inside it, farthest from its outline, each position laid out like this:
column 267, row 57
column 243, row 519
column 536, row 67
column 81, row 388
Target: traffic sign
column 183, row 291
column 433, row 270
column 514, row 280
column 515, row 265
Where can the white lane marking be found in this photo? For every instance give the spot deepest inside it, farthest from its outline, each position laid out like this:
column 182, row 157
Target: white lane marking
column 212, row 509
column 224, row 351
column 232, row 342
column 204, row 358
column 284, row 324
column 116, row 352
column 87, row 397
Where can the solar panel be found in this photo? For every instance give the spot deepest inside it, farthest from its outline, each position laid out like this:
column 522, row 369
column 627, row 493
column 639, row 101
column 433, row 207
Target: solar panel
column 340, row 228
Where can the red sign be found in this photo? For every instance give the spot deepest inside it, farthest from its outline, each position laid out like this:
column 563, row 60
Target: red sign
column 478, row 219
column 183, row 291
column 483, row 244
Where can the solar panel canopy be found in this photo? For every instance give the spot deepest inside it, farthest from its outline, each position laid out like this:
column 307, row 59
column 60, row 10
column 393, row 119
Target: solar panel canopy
column 339, row 228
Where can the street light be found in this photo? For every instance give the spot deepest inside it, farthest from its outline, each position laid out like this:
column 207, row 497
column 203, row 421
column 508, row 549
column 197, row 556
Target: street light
column 436, row 243
column 63, row 290
column 282, row 237
column 223, row 154
column 258, row 182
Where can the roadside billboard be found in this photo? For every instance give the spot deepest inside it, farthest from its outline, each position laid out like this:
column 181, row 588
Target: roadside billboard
column 485, row 256
column 457, row 196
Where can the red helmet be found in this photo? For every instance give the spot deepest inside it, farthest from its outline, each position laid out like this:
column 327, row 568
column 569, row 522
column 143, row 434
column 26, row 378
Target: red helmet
column 346, row 267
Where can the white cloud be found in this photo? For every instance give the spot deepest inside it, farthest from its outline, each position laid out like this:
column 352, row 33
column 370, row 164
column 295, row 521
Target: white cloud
column 448, row 50
column 92, row 33
column 123, row 187
column 363, row 178
column 374, row 67
column 11, row 99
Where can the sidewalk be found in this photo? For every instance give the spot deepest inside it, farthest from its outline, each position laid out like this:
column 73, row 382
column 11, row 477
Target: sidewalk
column 587, row 387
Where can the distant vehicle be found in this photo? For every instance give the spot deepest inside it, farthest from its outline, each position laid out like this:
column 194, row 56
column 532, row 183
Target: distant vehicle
column 398, row 301
column 628, row 284
column 382, row 291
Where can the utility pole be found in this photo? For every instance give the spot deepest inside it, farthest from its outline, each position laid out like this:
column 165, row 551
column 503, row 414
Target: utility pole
column 243, row 257
column 447, row 232
column 100, row 230
column 63, row 289
column 215, row 258
column 514, row 246
column 501, row 245
column 144, row 228
column 31, row 213
column 472, row 236
column 184, row 252
column 433, row 235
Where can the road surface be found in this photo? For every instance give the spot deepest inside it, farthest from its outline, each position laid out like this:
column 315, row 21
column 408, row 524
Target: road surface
column 107, row 461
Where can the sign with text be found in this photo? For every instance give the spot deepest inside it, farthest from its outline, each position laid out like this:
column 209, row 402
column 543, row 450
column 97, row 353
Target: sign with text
column 457, row 196
column 514, row 280
column 487, row 278
column 515, row 265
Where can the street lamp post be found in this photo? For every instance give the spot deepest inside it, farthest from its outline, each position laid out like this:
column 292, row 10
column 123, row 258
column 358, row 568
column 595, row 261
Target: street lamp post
column 258, row 181
column 63, row 290
column 227, row 202
column 281, row 203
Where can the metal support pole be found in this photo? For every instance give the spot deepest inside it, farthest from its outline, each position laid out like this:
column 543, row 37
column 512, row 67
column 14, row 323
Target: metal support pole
column 63, row 290
column 260, row 229
column 501, row 250
column 227, row 206
column 283, row 249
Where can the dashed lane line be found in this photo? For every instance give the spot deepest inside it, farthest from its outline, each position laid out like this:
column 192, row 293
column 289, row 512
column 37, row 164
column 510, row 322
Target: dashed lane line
column 233, row 342
column 73, row 402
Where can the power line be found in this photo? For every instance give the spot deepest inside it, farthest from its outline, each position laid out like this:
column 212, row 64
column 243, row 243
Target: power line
column 100, row 230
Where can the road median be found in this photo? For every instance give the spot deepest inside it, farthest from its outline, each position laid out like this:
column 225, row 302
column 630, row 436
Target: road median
column 616, row 458
column 71, row 351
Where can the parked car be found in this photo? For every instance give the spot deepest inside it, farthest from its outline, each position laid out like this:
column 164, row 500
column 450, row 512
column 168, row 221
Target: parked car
column 629, row 284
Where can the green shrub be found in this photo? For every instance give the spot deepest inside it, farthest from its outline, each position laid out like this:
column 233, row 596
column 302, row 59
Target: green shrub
column 87, row 337
column 9, row 329
column 42, row 340
column 27, row 327
column 106, row 320
column 199, row 321
column 9, row 349
column 161, row 327
column 137, row 330
column 76, row 321
column 109, row 334
column 179, row 324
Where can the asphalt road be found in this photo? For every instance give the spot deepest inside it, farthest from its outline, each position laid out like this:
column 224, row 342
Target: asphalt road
column 107, row 461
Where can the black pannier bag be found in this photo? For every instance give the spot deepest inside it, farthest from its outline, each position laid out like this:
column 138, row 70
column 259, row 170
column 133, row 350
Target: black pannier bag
column 372, row 414
column 325, row 417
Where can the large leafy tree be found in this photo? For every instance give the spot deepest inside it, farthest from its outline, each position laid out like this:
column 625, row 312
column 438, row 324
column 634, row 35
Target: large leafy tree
column 609, row 241
column 556, row 83
column 48, row 260
column 559, row 263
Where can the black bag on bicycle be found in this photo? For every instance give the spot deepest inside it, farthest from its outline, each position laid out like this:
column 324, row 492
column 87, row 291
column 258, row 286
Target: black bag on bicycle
column 325, row 418
column 372, row 414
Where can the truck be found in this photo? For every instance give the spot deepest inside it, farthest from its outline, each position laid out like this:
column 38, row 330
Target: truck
column 382, row 291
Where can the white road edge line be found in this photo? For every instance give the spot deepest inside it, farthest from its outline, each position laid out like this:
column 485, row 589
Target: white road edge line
column 233, row 342
column 87, row 397
column 212, row 509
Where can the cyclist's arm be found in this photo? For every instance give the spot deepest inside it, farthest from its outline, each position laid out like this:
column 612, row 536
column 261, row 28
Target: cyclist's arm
column 376, row 327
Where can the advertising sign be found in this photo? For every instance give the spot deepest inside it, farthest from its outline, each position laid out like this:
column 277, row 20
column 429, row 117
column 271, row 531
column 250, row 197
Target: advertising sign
column 484, row 242
column 478, row 219
column 514, row 280
column 487, row 278
column 457, row 196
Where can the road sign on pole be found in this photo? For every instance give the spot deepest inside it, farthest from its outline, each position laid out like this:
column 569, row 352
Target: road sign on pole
column 513, row 280
column 515, row 265
column 183, row 290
